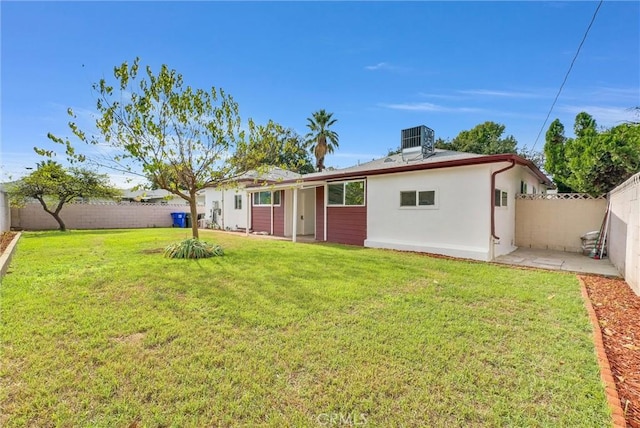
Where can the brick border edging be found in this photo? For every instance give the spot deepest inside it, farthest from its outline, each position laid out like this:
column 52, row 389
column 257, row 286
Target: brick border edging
column 5, row 258
column 610, row 390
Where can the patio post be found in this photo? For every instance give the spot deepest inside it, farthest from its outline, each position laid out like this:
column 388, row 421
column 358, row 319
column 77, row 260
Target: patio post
column 249, row 204
column 326, row 200
column 295, row 215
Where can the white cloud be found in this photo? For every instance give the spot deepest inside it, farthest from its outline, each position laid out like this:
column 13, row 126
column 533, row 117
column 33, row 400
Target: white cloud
column 604, row 116
column 610, row 94
column 440, row 96
column 378, row 66
column 432, row 108
column 355, row 155
column 385, row 66
column 502, row 94
column 125, row 182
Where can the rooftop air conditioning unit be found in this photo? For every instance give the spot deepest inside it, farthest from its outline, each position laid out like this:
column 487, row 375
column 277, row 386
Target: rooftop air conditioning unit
column 417, row 143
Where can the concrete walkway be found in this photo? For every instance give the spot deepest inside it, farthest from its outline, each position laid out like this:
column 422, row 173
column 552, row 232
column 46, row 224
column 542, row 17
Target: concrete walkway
column 558, row 260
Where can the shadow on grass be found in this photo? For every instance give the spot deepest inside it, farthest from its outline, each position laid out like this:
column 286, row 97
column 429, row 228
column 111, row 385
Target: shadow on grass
column 346, row 247
column 49, row 233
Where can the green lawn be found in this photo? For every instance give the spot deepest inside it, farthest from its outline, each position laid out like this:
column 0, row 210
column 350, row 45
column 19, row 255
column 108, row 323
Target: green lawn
column 98, row 329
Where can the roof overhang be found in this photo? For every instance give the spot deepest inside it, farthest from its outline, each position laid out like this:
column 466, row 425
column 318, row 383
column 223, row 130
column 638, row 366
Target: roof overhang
column 419, row 166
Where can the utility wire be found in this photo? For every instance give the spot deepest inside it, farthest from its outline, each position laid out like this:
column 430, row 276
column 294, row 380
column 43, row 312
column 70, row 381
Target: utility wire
column 593, row 18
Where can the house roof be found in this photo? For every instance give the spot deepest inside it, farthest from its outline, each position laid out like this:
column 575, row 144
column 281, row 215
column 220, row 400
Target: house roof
column 272, row 173
column 440, row 159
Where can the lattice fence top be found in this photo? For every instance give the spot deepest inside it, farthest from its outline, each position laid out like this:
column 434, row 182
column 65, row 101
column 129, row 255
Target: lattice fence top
column 558, row 196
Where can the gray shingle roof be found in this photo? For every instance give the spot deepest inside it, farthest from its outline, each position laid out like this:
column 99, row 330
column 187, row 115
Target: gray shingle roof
column 396, row 161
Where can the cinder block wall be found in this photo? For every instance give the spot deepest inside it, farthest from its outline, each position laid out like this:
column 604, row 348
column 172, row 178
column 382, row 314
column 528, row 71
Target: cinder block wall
column 557, row 224
column 98, row 216
column 5, row 212
column 624, row 231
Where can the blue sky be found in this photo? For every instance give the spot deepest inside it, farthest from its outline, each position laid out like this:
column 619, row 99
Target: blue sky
column 378, row 66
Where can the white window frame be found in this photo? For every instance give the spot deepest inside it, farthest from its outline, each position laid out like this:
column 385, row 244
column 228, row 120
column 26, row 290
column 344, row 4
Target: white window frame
column 435, row 205
column 237, row 202
column 344, row 193
column 498, row 203
column 273, row 196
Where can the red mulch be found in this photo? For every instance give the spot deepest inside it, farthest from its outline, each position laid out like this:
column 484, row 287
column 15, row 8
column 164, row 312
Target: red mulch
column 618, row 311
column 5, row 240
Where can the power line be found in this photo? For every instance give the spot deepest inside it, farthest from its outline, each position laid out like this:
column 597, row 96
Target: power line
column 593, row 18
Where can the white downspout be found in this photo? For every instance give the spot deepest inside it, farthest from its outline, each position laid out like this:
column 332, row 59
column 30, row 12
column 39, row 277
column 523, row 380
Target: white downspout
column 222, row 210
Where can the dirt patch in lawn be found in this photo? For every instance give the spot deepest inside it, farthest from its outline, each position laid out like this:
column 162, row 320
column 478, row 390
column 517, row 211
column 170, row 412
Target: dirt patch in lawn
column 132, row 339
column 5, row 240
column 153, row 251
column 618, row 310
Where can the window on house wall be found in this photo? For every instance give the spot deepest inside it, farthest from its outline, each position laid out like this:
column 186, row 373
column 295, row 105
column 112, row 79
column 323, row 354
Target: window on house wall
column 237, row 202
column 523, row 187
column 264, row 198
column 418, row 198
column 500, row 198
column 349, row 193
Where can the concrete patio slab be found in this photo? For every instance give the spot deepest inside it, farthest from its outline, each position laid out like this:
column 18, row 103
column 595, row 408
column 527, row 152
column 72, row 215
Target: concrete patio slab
column 549, row 262
column 558, row 260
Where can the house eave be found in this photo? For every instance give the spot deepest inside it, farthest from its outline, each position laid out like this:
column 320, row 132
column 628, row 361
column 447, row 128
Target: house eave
column 419, row 166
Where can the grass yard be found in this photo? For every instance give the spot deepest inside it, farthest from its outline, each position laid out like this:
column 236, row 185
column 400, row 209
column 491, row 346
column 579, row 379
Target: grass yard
column 98, row 329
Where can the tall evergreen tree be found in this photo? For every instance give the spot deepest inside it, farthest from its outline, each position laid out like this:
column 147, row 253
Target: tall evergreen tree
column 555, row 159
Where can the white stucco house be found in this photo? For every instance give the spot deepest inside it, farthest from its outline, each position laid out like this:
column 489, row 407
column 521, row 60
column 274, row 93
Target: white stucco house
column 226, row 205
column 422, row 199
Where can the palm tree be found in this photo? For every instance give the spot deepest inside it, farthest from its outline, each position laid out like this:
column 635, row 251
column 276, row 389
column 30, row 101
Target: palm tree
column 320, row 139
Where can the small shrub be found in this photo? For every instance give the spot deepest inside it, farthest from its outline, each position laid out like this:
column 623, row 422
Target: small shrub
column 192, row 248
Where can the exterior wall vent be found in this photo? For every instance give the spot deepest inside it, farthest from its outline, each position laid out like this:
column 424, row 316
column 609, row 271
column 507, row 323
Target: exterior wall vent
column 417, row 143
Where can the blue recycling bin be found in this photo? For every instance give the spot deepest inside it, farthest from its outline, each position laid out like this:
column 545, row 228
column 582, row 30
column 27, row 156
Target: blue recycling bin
column 179, row 219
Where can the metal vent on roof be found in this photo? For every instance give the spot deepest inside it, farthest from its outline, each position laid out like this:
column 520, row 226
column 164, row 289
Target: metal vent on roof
column 419, row 139
column 389, row 160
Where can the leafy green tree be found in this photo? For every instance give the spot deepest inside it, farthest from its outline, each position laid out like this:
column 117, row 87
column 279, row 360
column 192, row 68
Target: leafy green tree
column 396, row 151
column 584, row 125
column 599, row 161
column 443, row 144
column 54, row 186
column 485, row 138
column 320, row 139
column 181, row 139
column 538, row 158
column 556, row 162
column 273, row 145
column 595, row 161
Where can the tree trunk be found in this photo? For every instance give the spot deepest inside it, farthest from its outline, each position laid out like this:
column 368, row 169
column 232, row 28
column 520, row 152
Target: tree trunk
column 55, row 214
column 63, row 227
column 193, row 206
